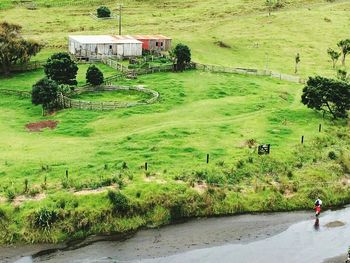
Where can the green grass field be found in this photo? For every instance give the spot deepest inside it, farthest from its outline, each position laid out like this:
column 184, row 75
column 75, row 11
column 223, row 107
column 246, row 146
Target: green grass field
column 199, row 113
column 255, row 40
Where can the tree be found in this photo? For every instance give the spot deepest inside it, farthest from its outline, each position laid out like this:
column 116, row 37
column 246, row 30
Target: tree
column 334, row 55
column 61, row 68
column 14, row 49
column 45, row 93
column 327, row 95
column 344, row 45
column 94, row 76
column 103, row 11
column 182, row 55
column 297, row 61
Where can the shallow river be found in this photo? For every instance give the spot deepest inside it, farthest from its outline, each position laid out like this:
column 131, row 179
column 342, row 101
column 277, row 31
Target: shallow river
column 278, row 237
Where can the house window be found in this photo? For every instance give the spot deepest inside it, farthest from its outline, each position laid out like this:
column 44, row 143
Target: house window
column 110, row 46
column 161, row 44
column 157, row 44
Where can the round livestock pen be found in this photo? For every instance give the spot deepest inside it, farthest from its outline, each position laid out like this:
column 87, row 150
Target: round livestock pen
column 109, row 105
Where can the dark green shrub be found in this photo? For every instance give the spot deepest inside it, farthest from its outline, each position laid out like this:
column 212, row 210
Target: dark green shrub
column 3, row 214
column 94, row 76
column 44, row 218
column 119, row 201
column 176, row 212
column 332, row 155
column 10, row 194
column 240, row 164
column 103, row 11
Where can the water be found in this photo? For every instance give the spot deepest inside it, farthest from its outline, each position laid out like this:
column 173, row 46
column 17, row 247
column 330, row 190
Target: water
column 299, row 243
column 271, row 242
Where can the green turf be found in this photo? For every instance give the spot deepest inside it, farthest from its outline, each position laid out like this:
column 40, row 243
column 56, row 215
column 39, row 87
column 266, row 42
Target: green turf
column 198, row 113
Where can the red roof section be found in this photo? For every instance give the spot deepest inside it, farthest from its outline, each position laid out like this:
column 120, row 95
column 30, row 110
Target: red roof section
column 148, row 37
column 151, row 37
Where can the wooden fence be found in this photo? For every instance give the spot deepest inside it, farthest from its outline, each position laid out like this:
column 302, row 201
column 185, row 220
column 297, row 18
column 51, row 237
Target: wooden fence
column 26, row 67
column 20, row 93
column 137, row 71
column 108, row 105
column 247, row 71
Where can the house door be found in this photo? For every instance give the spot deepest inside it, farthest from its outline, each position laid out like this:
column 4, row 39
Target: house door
column 120, row 50
column 110, row 50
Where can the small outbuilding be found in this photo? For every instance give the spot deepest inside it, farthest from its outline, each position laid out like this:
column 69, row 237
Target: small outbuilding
column 154, row 42
column 98, row 46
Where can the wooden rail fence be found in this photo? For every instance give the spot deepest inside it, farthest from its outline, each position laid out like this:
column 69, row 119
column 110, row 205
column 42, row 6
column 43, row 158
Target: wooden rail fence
column 256, row 72
column 20, row 93
column 108, row 105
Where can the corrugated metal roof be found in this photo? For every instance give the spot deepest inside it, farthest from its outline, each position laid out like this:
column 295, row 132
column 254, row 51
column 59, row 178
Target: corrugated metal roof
column 104, row 39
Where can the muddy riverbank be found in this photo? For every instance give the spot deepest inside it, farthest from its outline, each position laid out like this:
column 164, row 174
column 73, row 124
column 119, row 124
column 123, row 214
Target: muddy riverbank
column 243, row 238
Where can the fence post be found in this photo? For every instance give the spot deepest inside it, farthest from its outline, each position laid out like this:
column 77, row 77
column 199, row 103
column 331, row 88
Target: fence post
column 302, row 139
column 208, row 158
column 320, row 128
column 146, row 166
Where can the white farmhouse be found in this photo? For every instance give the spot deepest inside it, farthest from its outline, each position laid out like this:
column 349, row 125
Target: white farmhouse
column 99, row 46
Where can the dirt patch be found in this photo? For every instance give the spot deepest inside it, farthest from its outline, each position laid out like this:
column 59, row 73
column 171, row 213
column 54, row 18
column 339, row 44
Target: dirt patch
column 335, row 224
column 250, row 143
column 200, row 188
column 22, row 198
column 94, row 191
column 39, row 126
column 154, row 179
column 345, row 180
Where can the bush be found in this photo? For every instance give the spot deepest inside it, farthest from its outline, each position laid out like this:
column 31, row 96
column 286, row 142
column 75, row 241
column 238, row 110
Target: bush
column 103, row 11
column 119, row 201
column 44, row 218
column 10, row 194
column 176, row 212
column 332, row 155
column 94, row 76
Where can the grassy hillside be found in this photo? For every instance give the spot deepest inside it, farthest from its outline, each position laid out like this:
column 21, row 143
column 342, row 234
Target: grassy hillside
column 254, row 39
column 54, row 183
